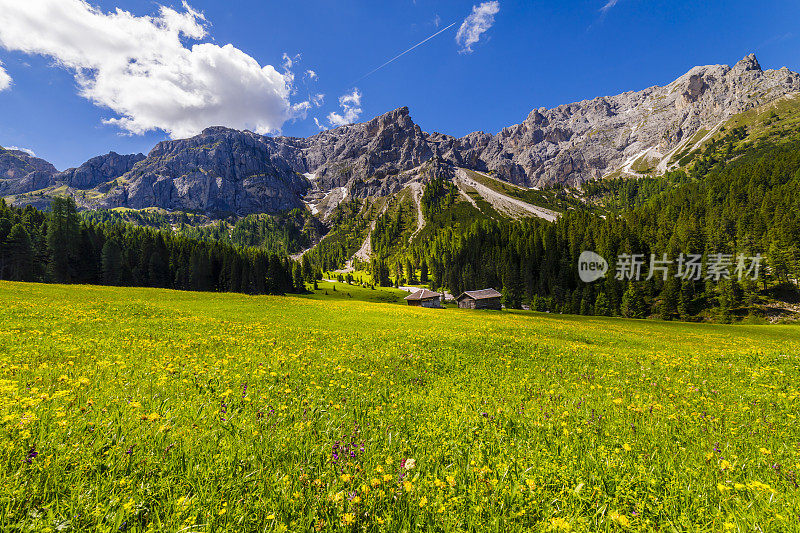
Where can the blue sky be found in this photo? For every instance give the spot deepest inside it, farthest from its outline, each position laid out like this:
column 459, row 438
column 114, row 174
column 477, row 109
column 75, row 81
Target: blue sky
column 533, row 54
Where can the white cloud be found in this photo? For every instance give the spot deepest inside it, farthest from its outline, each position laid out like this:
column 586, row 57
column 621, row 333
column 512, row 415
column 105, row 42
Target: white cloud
column 351, row 109
column 318, row 99
column 26, row 150
column 140, row 68
column 300, row 111
column 606, row 8
column 476, row 24
column 353, row 99
column 311, row 75
column 321, row 126
column 5, row 79
column 437, row 20
column 288, row 75
column 289, row 61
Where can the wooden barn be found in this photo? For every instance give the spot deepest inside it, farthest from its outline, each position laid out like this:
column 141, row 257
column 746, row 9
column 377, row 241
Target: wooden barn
column 424, row 298
column 482, row 299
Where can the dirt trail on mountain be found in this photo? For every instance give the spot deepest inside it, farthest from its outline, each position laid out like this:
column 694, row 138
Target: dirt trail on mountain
column 365, row 252
column 416, row 190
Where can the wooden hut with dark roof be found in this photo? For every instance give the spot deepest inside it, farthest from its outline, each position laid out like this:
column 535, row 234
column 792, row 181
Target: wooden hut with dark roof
column 424, row 298
column 482, row 299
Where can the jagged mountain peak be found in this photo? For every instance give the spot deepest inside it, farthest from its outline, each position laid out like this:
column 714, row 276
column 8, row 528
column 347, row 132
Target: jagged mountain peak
column 633, row 131
column 394, row 115
column 398, row 118
column 220, row 130
column 748, row 62
column 232, row 171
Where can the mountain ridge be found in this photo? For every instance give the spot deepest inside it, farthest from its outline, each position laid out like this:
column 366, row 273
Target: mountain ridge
column 227, row 171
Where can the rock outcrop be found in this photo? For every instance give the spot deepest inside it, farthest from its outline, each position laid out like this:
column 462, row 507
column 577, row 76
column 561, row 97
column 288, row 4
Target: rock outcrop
column 368, row 152
column 221, row 172
column 97, row 170
column 22, row 172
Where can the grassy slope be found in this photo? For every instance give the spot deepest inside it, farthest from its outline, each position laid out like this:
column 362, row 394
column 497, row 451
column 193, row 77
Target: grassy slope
column 771, row 122
column 776, row 122
column 347, row 292
column 546, row 199
column 167, row 409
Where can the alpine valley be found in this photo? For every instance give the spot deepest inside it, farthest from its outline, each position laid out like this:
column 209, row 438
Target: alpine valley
column 663, row 169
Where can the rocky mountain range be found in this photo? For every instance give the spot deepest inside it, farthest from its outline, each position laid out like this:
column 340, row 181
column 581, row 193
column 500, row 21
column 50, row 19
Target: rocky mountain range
column 22, row 172
column 224, row 171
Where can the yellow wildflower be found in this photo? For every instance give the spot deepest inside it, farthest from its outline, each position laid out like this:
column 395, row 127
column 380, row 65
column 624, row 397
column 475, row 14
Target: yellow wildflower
column 620, row 519
column 560, row 524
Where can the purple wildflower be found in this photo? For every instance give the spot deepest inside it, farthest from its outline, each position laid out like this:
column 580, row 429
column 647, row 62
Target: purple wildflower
column 31, row 455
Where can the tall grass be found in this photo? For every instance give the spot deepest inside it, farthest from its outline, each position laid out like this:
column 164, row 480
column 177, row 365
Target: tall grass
column 152, row 410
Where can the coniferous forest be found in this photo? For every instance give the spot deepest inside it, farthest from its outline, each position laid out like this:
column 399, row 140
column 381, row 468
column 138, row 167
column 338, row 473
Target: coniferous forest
column 60, row 247
column 747, row 203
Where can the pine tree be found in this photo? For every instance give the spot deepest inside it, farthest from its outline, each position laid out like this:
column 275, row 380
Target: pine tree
column 19, row 254
column 685, row 298
column 111, row 259
column 586, row 307
column 199, row 270
column 158, row 265
column 297, row 275
column 423, row 271
column 670, row 295
column 62, row 239
column 308, row 272
column 633, row 304
column 601, row 307
column 512, row 297
column 410, row 274
column 5, row 228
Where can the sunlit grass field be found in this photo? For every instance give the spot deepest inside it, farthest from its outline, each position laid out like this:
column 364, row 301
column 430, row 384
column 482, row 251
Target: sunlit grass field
column 328, row 290
column 150, row 410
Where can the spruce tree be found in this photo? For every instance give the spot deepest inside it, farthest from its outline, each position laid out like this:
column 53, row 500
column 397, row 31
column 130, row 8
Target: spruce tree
column 62, row 239
column 601, row 307
column 19, row 254
column 670, row 295
column 111, row 259
column 633, row 304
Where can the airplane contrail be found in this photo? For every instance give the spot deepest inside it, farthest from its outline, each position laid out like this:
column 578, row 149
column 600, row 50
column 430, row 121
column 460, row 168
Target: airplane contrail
column 401, row 54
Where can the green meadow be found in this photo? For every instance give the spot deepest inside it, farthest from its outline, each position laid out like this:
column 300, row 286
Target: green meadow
column 127, row 409
column 329, row 290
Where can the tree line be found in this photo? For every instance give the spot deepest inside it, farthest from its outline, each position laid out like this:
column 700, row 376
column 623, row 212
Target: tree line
column 60, row 247
column 283, row 233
